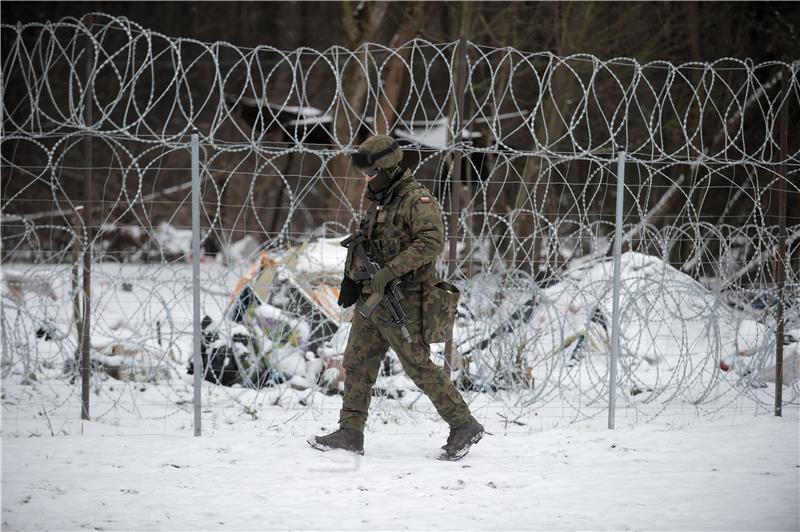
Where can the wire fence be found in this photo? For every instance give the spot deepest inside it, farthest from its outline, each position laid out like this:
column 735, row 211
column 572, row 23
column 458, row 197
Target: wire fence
column 520, row 149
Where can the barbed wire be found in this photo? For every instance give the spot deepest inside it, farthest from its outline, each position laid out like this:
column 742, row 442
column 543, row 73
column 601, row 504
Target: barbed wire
column 532, row 214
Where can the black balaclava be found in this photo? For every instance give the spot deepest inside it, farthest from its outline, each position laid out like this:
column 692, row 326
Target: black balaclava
column 378, row 188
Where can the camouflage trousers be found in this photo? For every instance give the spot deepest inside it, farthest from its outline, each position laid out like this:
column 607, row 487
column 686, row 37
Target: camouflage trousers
column 369, row 340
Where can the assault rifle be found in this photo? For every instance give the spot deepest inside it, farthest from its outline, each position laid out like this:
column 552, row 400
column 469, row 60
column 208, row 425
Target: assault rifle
column 393, row 295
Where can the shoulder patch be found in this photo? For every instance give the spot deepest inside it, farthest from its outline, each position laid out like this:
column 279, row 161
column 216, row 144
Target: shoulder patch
column 425, row 199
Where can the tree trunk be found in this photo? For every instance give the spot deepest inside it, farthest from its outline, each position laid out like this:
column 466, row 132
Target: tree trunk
column 349, row 108
column 396, row 67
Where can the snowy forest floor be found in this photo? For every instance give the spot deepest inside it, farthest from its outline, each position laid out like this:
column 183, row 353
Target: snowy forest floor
column 727, row 471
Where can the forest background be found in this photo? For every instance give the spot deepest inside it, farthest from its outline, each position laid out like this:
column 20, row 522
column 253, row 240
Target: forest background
column 677, row 32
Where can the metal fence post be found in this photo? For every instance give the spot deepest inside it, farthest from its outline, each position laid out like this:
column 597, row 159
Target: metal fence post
column 197, row 361
column 86, row 333
column 451, row 355
column 615, row 317
column 780, row 256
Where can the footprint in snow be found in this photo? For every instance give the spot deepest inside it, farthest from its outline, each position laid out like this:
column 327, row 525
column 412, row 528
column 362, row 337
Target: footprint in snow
column 459, row 485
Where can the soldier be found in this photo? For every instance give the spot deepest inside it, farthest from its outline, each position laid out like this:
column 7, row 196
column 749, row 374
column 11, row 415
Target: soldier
column 404, row 233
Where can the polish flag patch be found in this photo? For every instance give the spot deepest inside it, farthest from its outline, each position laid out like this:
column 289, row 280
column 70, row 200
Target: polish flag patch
column 425, row 199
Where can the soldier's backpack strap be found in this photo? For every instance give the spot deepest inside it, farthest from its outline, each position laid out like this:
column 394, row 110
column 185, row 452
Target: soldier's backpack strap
column 400, row 198
column 372, row 217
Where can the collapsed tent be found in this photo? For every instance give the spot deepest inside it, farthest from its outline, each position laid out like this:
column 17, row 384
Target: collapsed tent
column 279, row 315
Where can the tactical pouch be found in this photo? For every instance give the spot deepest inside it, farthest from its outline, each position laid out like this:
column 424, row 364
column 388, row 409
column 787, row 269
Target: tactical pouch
column 439, row 302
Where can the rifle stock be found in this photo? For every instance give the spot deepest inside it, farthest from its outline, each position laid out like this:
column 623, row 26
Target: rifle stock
column 370, row 305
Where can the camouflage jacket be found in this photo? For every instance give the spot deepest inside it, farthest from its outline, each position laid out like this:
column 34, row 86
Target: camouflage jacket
column 404, row 232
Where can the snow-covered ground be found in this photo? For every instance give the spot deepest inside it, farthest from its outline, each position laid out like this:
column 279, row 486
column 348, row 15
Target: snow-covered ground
column 252, row 469
column 695, row 447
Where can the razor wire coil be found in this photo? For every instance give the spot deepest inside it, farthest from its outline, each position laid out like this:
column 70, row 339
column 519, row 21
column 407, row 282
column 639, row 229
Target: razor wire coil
column 538, row 138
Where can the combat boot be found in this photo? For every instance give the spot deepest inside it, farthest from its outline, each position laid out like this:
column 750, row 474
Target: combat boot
column 461, row 438
column 344, row 438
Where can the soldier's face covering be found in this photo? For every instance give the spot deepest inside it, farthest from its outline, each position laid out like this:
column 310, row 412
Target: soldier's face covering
column 380, row 180
column 369, row 173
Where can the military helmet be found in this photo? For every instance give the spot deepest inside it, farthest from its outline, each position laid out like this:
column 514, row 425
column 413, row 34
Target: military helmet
column 380, row 151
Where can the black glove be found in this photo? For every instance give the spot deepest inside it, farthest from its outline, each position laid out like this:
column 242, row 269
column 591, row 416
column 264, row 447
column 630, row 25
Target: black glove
column 349, row 292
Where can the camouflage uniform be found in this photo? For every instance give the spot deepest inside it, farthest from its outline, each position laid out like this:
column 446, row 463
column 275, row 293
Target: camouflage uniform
column 404, row 232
